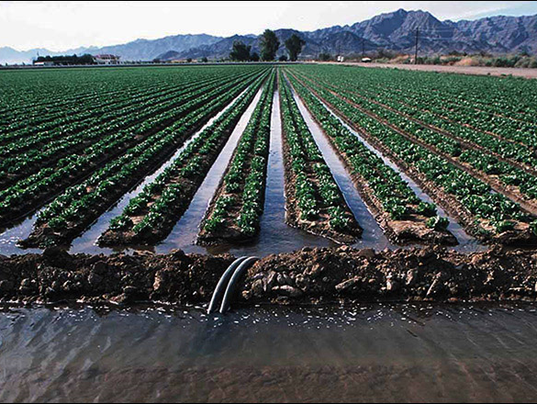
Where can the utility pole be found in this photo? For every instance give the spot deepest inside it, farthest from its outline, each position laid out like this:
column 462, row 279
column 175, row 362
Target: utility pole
column 417, row 45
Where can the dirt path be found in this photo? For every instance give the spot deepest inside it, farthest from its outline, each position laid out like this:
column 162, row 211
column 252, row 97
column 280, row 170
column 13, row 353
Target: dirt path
column 469, row 70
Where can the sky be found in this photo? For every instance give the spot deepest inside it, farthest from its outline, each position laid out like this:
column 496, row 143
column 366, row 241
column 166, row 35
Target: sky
column 63, row 25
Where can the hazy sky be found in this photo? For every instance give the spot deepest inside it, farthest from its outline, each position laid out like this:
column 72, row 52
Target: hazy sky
column 61, row 25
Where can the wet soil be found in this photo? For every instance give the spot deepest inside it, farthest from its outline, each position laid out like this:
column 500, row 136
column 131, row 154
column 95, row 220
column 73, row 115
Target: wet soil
column 307, row 276
column 320, row 227
column 522, row 234
column 434, row 274
column 403, row 232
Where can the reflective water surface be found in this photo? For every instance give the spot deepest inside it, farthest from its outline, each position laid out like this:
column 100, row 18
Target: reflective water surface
column 353, row 354
column 276, row 236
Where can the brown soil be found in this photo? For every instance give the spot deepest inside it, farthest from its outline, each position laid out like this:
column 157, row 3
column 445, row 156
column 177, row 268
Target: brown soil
column 522, row 235
column 403, row 232
column 467, row 70
column 512, row 192
column 308, row 276
column 314, row 275
column 51, row 193
column 320, row 227
column 57, row 276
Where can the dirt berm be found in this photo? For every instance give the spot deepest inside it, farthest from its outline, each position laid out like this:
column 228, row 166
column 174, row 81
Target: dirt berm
column 307, row 276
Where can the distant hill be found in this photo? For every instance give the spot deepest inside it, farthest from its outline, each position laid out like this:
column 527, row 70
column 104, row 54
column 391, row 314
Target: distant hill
column 392, row 31
column 397, row 32
column 140, row 49
column 148, row 50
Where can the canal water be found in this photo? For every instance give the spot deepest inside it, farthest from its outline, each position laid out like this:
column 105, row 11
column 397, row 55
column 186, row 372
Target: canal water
column 326, row 354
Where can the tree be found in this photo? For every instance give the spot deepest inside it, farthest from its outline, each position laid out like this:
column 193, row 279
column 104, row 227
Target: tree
column 325, row 57
column 269, row 46
column 294, row 46
column 255, row 57
column 283, row 58
column 240, row 52
column 204, row 60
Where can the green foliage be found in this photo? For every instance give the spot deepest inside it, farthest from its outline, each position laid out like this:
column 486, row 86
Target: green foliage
column 450, row 103
column 82, row 204
column 243, row 185
column 438, row 223
column 294, row 46
column 240, row 52
column 270, row 44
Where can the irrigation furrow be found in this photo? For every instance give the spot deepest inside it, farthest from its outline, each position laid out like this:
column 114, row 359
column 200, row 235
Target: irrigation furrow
column 151, row 216
column 41, row 187
column 314, row 201
column 80, row 206
column 235, row 212
column 373, row 234
column 405, row 217
column 516, row 228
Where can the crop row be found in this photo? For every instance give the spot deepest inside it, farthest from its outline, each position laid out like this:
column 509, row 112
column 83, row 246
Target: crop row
column 522, row 185
column 315, row 202
column 492, row 105
column 234, row 215
column 38, row 188
column 34, row 123
column 28, row 95
column 26, row 163
column 31, row 134
column 398, row 209
column 151, row 216
column 487, row 215
column 80, row 205
column 510, row 141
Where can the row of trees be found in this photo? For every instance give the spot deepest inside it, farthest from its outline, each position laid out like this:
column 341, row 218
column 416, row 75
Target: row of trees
column 269, row 45
column 73, row 60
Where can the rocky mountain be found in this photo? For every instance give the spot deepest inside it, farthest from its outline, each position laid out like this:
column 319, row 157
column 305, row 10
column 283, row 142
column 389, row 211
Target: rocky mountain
column 397, row 31
column 392, row 31
column 331, row 41
column 140, row 49
column 148, row 50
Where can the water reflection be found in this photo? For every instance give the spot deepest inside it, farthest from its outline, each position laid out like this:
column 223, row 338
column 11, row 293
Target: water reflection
column 354, row 353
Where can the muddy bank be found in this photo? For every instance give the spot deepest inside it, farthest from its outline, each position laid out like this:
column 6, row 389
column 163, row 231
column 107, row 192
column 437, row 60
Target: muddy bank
column 307, row 276
column 57, row 276
column 432, row 274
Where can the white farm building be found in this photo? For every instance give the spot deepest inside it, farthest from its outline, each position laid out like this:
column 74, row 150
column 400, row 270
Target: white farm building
column 107, row 59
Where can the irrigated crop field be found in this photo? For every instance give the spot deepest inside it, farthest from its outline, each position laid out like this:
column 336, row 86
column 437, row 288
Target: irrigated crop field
column 264, row 159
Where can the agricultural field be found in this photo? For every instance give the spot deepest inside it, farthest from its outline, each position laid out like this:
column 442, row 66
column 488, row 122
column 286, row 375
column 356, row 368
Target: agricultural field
column 257, row 159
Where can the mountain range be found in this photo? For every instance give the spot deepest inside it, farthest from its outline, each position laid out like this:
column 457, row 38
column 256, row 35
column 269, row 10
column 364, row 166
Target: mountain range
column 395, row 31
